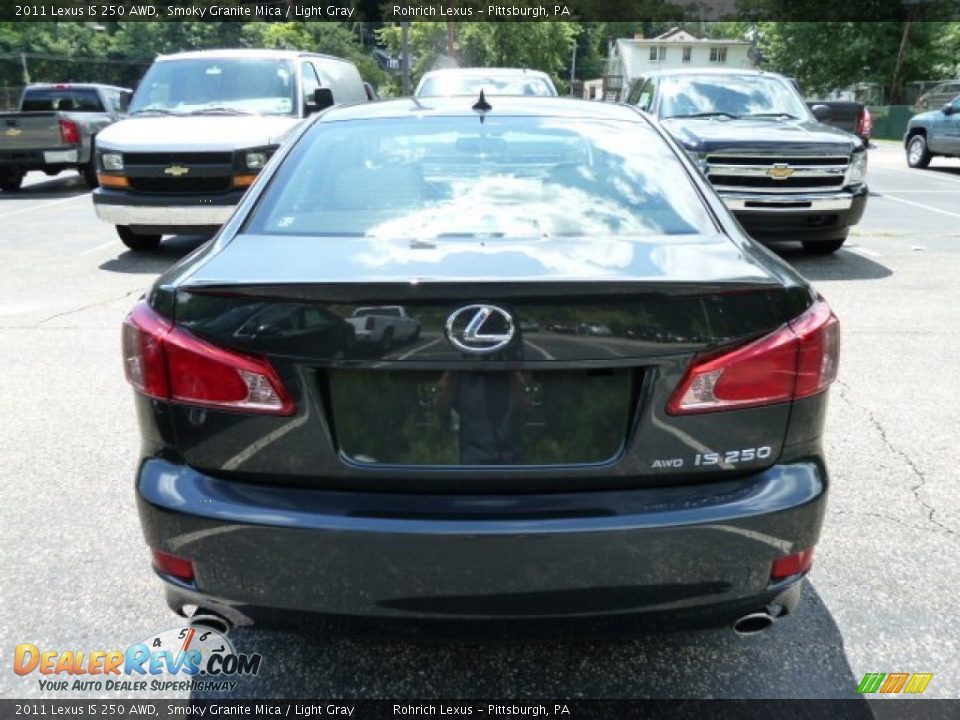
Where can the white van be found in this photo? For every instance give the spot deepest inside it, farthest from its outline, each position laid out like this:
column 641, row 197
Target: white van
column 201, row 126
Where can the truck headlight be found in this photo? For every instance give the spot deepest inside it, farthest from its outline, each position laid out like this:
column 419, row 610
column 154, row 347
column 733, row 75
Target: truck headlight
column 857, row 172
column 698, row 158
column 255, row 160
column 112, row 161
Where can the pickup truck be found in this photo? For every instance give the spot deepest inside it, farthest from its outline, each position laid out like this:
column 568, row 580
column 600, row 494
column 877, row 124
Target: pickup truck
column 853, row 117
column 201, row 126
column 383, row 326
column 933, row 133
column 56, row 129
column 784, row 175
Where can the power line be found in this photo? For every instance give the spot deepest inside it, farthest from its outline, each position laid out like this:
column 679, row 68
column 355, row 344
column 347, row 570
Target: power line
column 72, row 58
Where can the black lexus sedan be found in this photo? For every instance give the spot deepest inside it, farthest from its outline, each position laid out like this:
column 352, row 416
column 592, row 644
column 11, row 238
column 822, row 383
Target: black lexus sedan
column 501, row 462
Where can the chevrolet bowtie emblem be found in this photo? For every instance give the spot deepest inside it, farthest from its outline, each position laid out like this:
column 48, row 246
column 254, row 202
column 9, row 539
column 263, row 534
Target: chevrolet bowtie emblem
column 780, row 171
column 12, row 132
column 177, row 170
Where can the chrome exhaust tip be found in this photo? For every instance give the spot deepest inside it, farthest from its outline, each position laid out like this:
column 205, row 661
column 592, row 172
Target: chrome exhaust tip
column 209, row 620
column 753, row 624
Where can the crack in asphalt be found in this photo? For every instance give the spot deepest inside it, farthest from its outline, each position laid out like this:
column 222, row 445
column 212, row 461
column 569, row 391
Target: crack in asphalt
column 84, row 308
column 921, row 477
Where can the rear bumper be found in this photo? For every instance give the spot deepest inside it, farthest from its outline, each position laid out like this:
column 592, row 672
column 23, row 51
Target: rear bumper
column 40, row 159
column 467, row 556
column 789, row 216
column 159, row 212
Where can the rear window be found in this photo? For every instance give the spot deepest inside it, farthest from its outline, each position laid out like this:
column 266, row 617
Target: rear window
column 459, row 177
column 450, row 85
column 66, row 99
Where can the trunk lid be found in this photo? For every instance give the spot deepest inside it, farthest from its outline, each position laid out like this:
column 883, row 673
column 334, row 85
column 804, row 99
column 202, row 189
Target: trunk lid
column 603, row 333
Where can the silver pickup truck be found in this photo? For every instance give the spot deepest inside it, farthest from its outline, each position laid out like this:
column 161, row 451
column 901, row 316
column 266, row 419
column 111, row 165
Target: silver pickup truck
column 56, row 129
column 201, row 127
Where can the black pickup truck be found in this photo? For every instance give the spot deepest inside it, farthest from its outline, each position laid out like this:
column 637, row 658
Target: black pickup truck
column 785, row 175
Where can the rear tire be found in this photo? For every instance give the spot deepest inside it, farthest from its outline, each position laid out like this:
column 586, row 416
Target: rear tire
column 918, row 154
column 824, row 247
column 136, row 242
column 89, row 172
column 11, row 180
column 386, row 344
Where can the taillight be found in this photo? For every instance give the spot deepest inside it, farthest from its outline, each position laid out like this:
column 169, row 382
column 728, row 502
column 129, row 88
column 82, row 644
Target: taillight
column 798, row 360
column 168, row 564
column 864, row 123
column 168, row 363
column 69, row 132
column 794, row 564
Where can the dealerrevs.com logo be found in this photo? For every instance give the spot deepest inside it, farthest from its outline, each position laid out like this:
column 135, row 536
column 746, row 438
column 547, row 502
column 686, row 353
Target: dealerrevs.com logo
column 179, row 659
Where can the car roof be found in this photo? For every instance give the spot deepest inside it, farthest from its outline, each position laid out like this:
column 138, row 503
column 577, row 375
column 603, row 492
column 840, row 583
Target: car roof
column 712, row 71
column 265, row 53
column 504, row 71
column 69, row 85
column 500, row 105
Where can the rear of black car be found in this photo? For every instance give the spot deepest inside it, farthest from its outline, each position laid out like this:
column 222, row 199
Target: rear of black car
column 613, row 405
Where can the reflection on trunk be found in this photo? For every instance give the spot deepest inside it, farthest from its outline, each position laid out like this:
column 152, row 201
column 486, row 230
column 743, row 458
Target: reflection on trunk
column 481, row 417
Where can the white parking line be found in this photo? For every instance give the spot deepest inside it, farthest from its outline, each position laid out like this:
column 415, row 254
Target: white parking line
column 930, row 208
column 44, row 205
column 864, row 251
column 101, row 246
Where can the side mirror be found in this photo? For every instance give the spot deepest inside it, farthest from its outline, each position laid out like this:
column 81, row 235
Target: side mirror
column 820, row 112
column 948, row 109
column 321, row 100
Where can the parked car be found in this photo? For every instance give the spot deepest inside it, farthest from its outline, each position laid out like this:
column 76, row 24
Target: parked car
column 202, row 125
column 938, row 95
column 493, row 81
column 484, row 476
column 384, row 325
column 785, row 175
column 933, row 133
column 56, row 128
column 852, row 117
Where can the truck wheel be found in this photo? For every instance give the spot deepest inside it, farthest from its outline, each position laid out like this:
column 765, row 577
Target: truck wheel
column 11, row 180
column 386, row 343
column 89, row 173
column 136, row 242
column 918, row 155
column 824, row 247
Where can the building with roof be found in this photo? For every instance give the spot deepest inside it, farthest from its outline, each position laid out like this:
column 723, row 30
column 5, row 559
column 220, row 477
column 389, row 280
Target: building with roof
column 629, row 58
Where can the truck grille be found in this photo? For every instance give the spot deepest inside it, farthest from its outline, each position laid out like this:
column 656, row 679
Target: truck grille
column 182, row 185
column 776, row 174
column 184, row 158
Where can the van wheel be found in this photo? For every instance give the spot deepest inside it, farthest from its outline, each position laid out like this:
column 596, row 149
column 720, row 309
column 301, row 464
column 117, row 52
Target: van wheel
column 824, row 247
column 136, row 242
column 11, row 180
column 918, row 155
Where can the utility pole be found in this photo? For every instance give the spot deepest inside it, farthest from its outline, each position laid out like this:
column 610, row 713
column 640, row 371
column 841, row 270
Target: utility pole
column 26, row 71
column 451, row 42
column 405, row 58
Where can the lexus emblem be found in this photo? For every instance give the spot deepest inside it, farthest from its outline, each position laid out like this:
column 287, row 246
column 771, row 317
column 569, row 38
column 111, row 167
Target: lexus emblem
column 177, row 170
column 480, row 329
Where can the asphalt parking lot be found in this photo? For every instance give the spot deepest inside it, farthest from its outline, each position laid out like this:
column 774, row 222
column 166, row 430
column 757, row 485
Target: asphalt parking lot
column 881, row 596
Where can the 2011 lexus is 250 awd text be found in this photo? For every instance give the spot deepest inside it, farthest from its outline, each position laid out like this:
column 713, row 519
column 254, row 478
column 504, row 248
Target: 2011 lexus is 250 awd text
column 612, row 404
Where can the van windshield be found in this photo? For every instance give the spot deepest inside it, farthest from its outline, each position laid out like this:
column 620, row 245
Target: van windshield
column 218, row 85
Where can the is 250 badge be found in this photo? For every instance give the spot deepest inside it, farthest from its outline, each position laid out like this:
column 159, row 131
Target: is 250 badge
column 732, row 457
